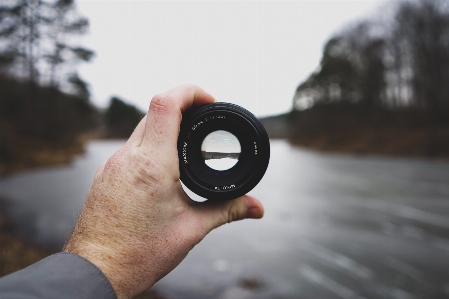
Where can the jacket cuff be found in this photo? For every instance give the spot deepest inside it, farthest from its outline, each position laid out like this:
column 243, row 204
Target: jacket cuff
column 62, row 275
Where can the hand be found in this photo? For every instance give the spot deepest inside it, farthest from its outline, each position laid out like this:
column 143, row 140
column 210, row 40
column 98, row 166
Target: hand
column 137, row 223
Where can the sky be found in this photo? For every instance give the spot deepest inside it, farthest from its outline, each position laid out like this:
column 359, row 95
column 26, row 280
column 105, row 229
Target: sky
column 222, row 142
column 250, row 53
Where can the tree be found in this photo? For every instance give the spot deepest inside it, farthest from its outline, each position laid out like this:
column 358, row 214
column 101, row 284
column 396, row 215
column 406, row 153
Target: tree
column 121, row 118
column 35, row 44
column 373, row 77
column 422, row 31
column 80, row 87
column 395, row 69
column 399, row 61
column 351, row 70
column 423, row 28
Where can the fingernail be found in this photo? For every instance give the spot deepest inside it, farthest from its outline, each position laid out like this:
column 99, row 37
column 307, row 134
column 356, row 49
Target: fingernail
column 253, row 213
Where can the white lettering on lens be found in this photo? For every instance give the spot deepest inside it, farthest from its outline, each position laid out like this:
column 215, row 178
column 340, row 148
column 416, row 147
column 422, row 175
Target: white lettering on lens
column 255, row 148
column 184, row 153
column 205, row 120
column 216, row 116
column 224, row 187
column 197, row 125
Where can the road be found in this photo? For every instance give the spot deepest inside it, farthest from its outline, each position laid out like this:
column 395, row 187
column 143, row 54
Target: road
column 335, row 226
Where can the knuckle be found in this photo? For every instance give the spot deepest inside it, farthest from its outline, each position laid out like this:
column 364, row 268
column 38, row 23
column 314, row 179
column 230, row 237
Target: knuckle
column 113, row 165
column 149, row 174
column 161, row 104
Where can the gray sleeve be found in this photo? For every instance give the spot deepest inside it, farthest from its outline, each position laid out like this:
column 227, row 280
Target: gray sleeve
column 62, row 275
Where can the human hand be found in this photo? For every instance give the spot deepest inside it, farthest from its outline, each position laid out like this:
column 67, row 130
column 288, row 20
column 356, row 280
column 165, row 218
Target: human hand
column 137, row 223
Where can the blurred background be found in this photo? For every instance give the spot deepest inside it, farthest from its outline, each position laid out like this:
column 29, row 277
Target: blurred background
column 354, row 96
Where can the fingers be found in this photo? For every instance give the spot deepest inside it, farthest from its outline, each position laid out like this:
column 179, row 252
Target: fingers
column 189, row 95
column 217, row 213
column 165, row 114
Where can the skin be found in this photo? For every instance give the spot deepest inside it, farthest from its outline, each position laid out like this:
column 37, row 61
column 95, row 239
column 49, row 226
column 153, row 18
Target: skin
column 137, row 223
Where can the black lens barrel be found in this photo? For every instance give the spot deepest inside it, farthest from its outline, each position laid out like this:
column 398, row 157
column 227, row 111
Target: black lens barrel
column 253, row 160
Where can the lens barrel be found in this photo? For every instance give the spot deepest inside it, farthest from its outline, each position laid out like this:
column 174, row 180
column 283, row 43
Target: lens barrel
column 253, row 158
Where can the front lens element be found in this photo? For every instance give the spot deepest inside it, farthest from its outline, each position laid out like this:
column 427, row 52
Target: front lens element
column 221, row 150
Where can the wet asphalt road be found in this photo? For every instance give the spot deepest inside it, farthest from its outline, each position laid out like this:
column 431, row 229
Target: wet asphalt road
column 335, row 227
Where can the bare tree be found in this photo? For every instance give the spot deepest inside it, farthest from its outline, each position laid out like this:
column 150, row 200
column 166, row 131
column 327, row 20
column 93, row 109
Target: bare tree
column 422, row 28
column 35, row 41
column 351, row 69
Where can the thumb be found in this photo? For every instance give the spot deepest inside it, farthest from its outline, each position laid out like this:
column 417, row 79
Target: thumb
column 217, row 213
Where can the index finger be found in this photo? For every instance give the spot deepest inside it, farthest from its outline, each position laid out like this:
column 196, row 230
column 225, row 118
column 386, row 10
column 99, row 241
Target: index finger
column 165, row 115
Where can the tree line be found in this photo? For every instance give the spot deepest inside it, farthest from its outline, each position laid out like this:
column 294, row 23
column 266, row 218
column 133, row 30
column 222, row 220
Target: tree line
column 385, row 72
column 44, row 103
column 397, row 60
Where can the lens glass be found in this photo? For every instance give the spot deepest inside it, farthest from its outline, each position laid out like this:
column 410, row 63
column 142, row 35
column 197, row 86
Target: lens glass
column 221, row 150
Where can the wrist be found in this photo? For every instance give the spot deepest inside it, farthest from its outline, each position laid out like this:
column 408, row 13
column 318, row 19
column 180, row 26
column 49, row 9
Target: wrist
column 122, row 273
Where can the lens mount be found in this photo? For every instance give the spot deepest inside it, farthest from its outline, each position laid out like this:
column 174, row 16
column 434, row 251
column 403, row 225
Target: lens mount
column 210, row 183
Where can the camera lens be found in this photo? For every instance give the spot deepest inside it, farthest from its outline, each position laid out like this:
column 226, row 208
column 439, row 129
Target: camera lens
column 223, row 151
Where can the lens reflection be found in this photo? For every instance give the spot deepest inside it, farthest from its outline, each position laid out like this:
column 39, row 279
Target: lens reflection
column 221, row 150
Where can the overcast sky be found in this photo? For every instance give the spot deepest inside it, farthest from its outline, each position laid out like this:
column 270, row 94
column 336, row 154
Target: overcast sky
column 222, row 142
column 251, row 53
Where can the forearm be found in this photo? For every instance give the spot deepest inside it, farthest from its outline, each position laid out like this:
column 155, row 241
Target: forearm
column 62, row 275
